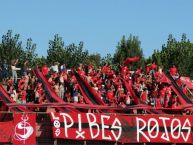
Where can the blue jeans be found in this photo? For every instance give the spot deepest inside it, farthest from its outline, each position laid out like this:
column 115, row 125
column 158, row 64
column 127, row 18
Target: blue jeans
column 14, row 75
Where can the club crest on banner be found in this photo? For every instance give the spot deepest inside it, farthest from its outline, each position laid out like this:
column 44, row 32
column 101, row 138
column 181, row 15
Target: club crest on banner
column 23, row 129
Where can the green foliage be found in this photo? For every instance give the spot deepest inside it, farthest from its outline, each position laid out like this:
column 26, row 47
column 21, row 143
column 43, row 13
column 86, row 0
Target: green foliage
column 40, row 61
column 29, row 53
column 71, row 55
column 156, row 57
column 10, row 47
column 94, row 59
column 129, row 48
column 108, row 59
column 75, row 55
column 56, row 50
column 179, row 53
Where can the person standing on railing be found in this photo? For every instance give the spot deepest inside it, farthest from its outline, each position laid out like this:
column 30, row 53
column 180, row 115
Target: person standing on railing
column 14, row 70
column 4, row 69
column 25, row 68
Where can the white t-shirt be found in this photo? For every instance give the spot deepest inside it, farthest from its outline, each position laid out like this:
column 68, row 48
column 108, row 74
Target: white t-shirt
column 55, row 68
column 75, row 99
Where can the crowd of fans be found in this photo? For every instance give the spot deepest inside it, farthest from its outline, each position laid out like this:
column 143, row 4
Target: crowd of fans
column 110, row 85
column 144, row 84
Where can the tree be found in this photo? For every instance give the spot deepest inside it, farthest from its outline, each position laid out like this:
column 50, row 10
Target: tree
column 108, row 59
column 71, row 55
column 11, row 47
column 94, row 59
column 56, row 50
column 156, row 57
column 179, row 53
column 29, row 53
column 75, row 55
column 129, row 48
column 40, row 61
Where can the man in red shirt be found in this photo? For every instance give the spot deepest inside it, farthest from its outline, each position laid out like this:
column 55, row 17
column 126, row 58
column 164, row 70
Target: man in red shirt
column 110, row 96
column 153, row 68
column 174, row 72
column 162, row 96
column 124, row 70
column 158, row 103
column 147, row 69
column 144, row 96
column 45, row 70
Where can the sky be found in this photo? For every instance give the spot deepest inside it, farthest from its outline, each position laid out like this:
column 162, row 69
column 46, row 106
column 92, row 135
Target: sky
column 100, row 24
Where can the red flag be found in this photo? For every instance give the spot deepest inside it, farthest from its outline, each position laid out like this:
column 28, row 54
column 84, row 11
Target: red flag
column 187, row 81
column 24, row 129
column 6, row 131
column 130, row 60
column 163, row 79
